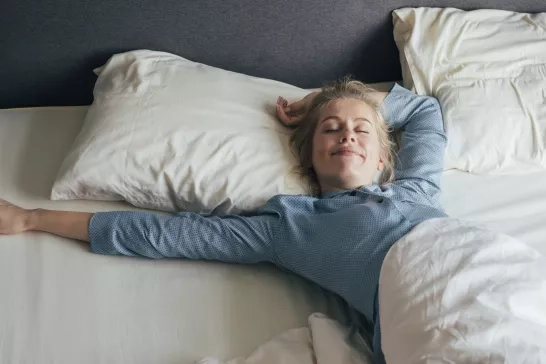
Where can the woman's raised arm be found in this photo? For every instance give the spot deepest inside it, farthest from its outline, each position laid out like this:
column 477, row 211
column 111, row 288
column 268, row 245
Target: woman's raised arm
column 420, row 160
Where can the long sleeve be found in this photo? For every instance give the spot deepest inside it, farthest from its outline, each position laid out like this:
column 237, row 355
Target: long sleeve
column 235, row 239
column 420, row 160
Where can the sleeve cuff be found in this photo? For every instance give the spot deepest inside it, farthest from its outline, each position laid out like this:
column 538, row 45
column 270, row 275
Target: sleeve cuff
column 391, row 101
column 100, row 233
column 397, row 99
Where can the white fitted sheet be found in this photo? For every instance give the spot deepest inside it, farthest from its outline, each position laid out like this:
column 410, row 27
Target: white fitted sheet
column 62, row 304
column 512, row 204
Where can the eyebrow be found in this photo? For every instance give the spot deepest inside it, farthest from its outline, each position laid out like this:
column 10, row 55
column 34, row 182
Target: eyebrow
column 338, row 119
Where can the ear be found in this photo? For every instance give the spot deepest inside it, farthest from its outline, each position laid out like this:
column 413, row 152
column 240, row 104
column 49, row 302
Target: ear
column 381, row 164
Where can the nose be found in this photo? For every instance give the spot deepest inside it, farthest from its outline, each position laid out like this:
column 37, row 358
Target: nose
column 346, row 136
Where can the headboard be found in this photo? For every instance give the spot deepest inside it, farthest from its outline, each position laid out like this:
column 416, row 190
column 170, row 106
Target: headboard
column 49, row 48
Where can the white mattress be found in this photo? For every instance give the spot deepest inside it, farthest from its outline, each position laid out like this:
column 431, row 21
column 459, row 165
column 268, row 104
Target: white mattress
column 62, row 304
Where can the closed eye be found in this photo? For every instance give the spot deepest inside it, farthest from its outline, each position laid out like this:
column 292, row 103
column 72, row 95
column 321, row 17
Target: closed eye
column 334, row 130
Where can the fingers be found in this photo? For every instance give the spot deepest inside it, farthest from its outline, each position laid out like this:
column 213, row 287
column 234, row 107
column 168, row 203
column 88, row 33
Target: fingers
column 286, row 119
column 283, row 103
column 289, row 119
column 283, row 112
column 294, row 108
column 292, row 114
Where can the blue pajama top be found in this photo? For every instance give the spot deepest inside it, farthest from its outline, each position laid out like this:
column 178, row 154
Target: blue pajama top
column 338, row 240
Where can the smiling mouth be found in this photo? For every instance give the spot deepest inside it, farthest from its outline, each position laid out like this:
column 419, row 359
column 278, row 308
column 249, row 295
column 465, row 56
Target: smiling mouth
column 347, row 153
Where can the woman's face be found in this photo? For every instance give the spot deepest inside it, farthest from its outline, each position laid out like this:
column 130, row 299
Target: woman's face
column 346, row 149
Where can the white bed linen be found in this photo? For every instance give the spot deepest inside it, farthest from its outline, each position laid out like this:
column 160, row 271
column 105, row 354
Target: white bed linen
column 61, row 304
column 511, row 204
column 451, row 292
column 324, row 341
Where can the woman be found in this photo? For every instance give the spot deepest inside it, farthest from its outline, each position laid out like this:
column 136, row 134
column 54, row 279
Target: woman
column 337, row 238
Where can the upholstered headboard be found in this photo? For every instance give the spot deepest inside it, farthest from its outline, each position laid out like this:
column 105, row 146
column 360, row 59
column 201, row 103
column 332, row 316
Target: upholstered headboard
column 49, row 48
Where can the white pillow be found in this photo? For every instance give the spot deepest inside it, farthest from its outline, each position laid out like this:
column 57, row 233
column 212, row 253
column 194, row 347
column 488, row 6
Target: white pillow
column 169, row 134
column 487, row 68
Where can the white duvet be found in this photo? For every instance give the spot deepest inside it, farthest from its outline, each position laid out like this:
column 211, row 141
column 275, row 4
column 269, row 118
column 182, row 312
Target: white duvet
column 449, row 292
column 324, row 341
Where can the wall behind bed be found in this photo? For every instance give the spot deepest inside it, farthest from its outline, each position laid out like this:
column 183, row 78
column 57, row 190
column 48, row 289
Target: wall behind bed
column 48, row 48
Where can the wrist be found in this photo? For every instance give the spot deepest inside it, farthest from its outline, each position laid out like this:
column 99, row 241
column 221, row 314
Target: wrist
column 32, row 219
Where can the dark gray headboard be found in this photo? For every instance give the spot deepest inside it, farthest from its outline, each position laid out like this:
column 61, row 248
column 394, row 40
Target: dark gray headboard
column 48, row 48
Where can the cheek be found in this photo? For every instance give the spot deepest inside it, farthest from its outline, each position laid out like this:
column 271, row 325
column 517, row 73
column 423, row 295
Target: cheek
column 374, row 146
column 321, row 147
column 318, row 144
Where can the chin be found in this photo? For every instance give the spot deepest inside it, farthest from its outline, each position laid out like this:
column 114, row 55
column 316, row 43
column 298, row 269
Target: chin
column 351, row 174
column 350, row 180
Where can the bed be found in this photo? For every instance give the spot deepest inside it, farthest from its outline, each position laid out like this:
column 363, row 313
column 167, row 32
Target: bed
column 61, row 304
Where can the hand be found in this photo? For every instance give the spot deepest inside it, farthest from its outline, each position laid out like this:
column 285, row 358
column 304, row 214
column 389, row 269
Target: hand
column 293, row 114
column 13, row 219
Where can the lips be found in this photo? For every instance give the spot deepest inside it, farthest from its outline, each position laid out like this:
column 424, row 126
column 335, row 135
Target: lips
column 346, row 151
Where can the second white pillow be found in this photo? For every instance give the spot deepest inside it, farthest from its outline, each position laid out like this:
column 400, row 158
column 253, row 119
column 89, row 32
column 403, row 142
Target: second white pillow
column 487, row 68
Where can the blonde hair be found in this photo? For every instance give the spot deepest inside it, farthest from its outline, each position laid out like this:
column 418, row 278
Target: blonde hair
column 301, row 140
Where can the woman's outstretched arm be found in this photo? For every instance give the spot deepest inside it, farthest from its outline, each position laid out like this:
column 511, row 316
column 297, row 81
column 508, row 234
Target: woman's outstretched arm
column 235, row 239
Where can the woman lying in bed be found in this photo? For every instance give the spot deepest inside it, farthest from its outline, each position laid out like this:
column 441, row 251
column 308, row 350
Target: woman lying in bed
column 337, row 238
